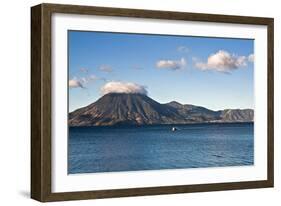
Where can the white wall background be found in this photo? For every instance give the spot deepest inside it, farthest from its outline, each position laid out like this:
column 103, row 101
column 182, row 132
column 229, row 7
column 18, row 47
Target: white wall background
column 15, row 102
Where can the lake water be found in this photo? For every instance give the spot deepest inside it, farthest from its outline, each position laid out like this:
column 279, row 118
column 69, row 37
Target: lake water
column 132, row 148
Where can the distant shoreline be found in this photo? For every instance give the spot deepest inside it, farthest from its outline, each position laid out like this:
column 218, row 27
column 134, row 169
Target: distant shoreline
column 148, row 125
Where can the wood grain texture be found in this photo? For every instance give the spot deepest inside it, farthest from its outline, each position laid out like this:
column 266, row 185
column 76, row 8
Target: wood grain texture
column 40, row 102
column 41, row 84
column 156, row 14
column 36, row 58
column 270, row 102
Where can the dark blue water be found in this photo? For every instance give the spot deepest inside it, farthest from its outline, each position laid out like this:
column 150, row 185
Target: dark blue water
column 108, row 149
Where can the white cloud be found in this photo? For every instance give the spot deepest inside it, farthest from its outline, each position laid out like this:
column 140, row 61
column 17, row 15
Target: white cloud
column 182, row 49
column 93, row 78
column 88, row 79
column 105, row 68
column 223, row 61
column 75, row 83
column 171, row 64
column 251, row 58
column 123, row 87
column 81, row 82
column 84, row 80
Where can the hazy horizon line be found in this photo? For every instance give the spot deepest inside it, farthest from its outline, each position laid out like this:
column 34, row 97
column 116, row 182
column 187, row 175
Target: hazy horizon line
column 227, row 108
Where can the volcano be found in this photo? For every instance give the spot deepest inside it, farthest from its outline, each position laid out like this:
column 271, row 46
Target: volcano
column 139, row 109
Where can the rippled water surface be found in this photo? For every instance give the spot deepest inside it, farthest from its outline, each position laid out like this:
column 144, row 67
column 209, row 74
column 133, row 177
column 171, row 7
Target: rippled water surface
column 131, row 148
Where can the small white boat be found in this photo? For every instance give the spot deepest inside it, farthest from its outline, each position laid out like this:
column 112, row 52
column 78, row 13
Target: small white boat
column 174, row 129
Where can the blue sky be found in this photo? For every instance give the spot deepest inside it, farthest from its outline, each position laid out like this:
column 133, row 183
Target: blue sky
column 216, row 73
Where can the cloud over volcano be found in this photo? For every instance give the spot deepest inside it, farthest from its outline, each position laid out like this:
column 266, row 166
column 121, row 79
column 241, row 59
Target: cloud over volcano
column 123, row 87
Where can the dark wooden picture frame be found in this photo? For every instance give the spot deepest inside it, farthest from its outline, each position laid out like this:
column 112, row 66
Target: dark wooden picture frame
column 41, row 101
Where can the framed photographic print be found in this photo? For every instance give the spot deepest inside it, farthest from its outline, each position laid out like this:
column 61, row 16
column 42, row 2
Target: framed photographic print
column 130, row 102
